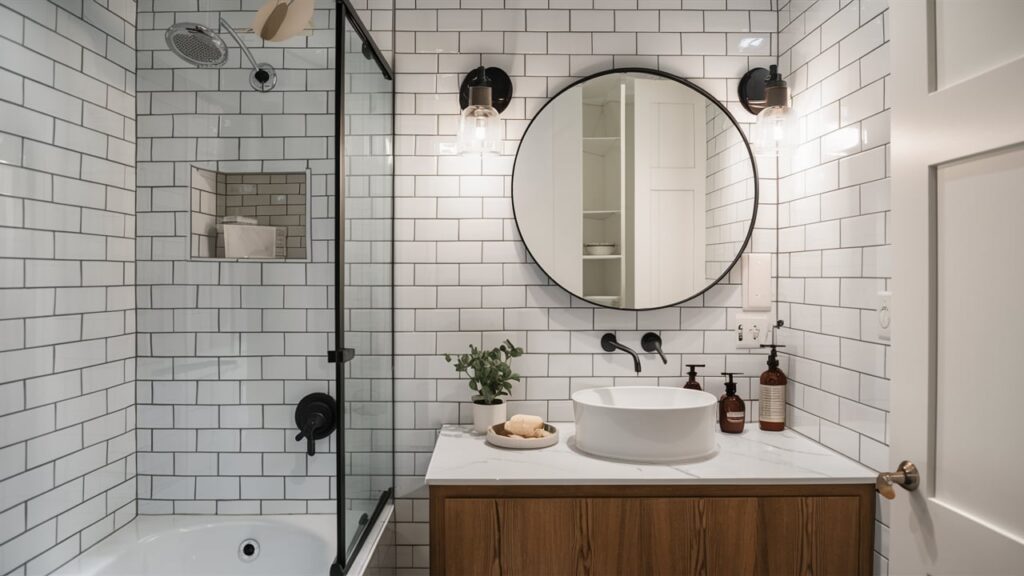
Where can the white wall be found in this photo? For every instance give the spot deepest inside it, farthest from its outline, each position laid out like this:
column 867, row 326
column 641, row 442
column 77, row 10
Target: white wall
column 67, row 275
column 834, row 253
column 463, row 275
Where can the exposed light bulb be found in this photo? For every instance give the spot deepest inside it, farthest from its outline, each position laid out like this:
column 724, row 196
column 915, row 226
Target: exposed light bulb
column 480, row 127
column 777, row 126
column 776, row 130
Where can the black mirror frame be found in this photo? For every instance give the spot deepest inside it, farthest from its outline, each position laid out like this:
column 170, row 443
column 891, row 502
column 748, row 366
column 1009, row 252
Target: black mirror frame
column 699, row 90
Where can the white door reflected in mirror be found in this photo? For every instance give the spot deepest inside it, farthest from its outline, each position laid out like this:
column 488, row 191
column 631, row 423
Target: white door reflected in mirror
column 634, row 190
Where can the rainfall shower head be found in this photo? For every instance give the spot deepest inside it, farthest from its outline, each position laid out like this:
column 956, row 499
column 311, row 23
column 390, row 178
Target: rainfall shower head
column 196, row 44
column 202, row 47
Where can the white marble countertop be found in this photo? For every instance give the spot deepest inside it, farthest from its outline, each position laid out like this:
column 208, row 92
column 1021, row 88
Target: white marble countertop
column 754, row 457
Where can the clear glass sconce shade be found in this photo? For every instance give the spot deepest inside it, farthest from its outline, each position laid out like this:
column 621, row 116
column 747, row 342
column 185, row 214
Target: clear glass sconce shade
column 777, row 130
column 479, row 130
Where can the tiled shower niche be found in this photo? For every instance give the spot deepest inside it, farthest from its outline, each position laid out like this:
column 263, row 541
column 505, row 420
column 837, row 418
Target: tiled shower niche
column 249, row 215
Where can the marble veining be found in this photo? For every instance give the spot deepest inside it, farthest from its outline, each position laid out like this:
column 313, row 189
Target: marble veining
column 754, row 457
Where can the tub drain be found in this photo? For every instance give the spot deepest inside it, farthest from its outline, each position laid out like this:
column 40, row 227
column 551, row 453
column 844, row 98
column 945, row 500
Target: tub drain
column 248, row 550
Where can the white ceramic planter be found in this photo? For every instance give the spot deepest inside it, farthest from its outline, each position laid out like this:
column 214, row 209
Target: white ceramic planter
column 487, row 415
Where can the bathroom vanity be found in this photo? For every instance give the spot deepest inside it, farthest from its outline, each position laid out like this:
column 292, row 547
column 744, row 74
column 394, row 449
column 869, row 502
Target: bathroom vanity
column 766, row 503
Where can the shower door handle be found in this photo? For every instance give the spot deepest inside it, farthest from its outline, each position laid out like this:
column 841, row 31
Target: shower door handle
column 347, row 354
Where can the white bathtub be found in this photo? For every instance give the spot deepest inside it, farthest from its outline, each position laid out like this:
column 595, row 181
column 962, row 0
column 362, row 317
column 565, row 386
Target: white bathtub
column 293, row 545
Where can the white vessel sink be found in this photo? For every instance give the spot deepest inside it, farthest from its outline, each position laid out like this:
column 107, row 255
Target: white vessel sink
column 645, row 423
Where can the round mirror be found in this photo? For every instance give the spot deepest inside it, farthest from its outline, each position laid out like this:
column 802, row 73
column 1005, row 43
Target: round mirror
column 634, row 189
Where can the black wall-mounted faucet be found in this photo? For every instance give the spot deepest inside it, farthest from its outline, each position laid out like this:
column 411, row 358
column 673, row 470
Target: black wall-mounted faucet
column 316, row 418
column 651, row 342
column 610, row 344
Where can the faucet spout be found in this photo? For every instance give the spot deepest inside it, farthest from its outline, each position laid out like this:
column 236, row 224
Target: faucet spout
column 609, row 344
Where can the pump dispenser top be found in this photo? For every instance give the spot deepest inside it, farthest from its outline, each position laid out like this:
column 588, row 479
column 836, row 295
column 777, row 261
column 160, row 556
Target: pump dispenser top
column 773, row 356
column 692, row 383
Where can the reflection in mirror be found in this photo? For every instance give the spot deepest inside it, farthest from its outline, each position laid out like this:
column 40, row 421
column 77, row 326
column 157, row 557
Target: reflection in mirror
column 634, row 190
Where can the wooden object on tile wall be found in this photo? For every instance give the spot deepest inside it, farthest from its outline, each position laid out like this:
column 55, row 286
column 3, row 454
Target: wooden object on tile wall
column 651, row 530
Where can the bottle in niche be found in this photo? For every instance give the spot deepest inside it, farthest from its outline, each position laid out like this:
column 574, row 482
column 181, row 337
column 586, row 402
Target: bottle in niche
column 692, row 383
column 732, row 412
column 772, row 398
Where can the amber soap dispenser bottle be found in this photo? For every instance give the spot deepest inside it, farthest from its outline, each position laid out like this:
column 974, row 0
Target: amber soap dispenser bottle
column 772, row 399
column 732, row 412
column 692, row 383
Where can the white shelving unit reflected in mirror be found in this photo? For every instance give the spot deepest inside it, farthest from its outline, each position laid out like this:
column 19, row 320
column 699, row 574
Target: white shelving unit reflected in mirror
column 604, row 175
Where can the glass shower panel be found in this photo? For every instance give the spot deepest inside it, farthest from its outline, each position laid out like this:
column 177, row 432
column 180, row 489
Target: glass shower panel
column 368, row 202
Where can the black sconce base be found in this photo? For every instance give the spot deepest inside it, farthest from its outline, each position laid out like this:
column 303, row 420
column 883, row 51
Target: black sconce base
column 751, row 89
column 501, row 88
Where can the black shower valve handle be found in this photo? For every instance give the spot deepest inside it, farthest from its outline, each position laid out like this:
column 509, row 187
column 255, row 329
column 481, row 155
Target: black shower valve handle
column 308, row 432
column 315, row 418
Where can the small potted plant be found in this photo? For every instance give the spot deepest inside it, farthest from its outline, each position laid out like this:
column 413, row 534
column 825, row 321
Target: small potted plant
column 490, row 376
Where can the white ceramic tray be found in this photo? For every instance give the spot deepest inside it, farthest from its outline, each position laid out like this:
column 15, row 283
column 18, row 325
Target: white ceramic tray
column 496, row 436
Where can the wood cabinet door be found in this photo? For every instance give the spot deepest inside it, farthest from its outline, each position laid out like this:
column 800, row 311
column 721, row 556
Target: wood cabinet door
column 515, row 536
column 649, row 536
column 783, row 535
column 556, row 536
column 672, row 537
column 728, row 536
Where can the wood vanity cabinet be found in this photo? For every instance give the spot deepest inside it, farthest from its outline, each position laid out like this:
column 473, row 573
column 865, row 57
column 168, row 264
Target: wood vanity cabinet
column 652, row 530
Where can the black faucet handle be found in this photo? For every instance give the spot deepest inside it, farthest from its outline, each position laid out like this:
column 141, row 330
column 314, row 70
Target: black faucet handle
column 310, row 442
column 315, row 419
column 309, row 431
column 651, row 342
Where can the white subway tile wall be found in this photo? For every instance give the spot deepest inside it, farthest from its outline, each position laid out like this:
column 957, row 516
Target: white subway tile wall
column 228, row 348
column 462, row 274
column 834, row 252
column 67, row 271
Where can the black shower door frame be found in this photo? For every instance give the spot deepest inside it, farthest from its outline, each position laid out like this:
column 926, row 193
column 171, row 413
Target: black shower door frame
column 341, row 355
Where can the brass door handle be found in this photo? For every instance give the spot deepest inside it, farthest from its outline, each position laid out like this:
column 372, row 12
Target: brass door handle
column 906, row 475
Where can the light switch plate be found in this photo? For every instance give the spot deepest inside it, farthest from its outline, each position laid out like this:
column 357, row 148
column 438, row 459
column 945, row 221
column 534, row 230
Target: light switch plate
column 757, row 282
column 884, row 315
column 752, row 330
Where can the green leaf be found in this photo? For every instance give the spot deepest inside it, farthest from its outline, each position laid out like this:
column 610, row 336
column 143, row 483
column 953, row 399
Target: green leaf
column 489, row 371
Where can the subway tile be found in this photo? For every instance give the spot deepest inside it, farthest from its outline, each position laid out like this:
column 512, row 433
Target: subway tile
column 474, row 285
column 865, row 39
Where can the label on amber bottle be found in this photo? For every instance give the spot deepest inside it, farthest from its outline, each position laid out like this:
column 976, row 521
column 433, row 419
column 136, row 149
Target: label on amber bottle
column 772, row 404
column 734, row 416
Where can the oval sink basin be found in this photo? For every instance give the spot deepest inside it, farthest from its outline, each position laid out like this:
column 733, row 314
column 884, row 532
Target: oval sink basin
column 645, row 423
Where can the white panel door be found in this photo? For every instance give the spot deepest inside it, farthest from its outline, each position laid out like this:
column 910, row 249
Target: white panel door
column 669, row 187
column 958, row 199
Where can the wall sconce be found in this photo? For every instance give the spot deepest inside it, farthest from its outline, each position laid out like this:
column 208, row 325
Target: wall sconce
column 484, row 94
column 765, row 94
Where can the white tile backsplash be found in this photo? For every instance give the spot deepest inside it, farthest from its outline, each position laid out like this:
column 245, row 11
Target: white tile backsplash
column 461, row 272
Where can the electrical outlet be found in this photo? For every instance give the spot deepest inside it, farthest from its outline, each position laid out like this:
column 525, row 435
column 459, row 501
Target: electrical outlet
column 751, row 330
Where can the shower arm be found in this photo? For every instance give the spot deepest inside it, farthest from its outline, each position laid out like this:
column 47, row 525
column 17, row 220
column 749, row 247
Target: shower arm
column 241, row 45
